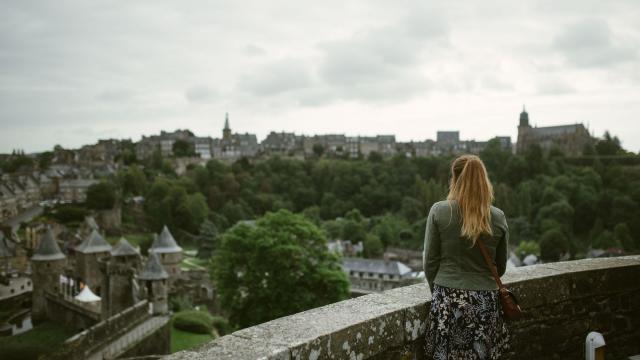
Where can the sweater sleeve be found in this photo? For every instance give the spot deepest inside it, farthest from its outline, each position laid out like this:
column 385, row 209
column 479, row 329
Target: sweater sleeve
column 502, row 249
column 431, row 251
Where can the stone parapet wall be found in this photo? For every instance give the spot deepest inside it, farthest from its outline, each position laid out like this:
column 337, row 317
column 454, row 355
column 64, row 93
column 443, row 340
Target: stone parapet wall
column 562, row 302
column 85, row 343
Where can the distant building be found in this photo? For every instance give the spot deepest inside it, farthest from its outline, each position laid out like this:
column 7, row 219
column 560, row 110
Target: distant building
column 234, row 146
column 282, row 143
column 450, row 137
column 570, row 139
column 74, row 190
column 376, row 275
column 345, row 247
column 202, row 146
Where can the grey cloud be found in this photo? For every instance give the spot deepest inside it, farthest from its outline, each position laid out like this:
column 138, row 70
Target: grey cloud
column 276, row 77
column 254, row 50
column 385, row 62
column 115, row 95
column 554, row 87
column 591, row 43
column 200, row 94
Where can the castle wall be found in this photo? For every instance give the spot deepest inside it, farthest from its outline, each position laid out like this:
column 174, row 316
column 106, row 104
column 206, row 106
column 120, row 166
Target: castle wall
column 69, row 313
column 45, row 277
column 562, row 303
column 117, row 287
column 88, row 269
column 171, row 263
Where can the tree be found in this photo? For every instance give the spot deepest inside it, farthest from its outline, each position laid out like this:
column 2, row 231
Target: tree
column 553, row 245
column 277, row 267
column 318, row 150
column 372, row 246
column 44, row 160
column 622, row 235
column 132, row 181
column 609, row 145
column 207, row 239
column 101, row 196
column 183, row 148
column 528, row 247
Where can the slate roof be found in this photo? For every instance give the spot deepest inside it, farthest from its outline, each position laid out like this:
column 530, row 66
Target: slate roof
column 153, row 270
column 93, row 244
column 376, row 266
column 48, row 249
column 124, row 248
column 556, row 130
column 165, row 243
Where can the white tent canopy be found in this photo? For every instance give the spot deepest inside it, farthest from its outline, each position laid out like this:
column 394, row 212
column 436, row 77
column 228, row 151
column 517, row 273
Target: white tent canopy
column 86, row 295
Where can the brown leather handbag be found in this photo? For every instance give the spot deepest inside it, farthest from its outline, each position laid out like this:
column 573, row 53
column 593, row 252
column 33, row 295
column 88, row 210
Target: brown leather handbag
column 508, row 300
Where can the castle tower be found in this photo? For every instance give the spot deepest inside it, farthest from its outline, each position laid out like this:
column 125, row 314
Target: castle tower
column 226, row 132
column 119, row 287
column 154, row 279
column 47, row 264
column 169, row 252
column 87, row 255
column 523, row 131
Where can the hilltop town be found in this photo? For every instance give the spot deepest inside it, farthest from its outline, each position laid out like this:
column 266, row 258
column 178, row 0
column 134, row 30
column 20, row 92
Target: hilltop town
column 113, row 239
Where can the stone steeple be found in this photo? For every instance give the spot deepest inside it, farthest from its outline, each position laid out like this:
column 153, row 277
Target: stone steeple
column 524, row 118
column 226, row 132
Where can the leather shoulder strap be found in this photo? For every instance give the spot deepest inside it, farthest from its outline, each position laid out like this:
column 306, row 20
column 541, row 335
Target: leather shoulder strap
column 490, row 263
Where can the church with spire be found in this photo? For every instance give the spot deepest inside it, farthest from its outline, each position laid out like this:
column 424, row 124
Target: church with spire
column 233, row 146
column 571, row 139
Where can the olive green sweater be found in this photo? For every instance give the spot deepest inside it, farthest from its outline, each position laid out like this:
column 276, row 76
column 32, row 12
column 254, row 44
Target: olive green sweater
column 447, row 259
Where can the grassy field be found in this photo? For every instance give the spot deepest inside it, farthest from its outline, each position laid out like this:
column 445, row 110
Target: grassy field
column 182, row 340
column 42, row 339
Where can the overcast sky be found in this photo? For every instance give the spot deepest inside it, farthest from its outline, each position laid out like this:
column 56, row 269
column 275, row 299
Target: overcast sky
column 72, row 72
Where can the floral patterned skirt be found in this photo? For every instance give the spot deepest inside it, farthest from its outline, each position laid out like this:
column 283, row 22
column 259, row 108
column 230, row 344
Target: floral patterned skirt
column 465, row 324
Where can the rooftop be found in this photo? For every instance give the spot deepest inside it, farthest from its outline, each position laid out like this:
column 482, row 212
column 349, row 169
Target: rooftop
column 165, row 243
column 48, row 248
column 93, row 244
column 153, row 270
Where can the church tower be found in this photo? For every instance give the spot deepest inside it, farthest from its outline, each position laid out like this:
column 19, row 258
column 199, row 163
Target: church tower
column 226, row 132
column 523, row 131
column 47, row 264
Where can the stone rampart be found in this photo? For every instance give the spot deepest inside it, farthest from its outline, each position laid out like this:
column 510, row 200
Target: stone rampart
column 562, row 302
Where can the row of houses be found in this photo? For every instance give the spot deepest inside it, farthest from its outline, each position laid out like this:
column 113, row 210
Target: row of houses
column 20, row 192
column 232, row 146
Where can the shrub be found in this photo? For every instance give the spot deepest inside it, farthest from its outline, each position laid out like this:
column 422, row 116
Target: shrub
column 199, row 322
column 222, row 325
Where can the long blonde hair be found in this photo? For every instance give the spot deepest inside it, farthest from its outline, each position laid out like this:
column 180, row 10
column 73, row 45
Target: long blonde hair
column 471, row 188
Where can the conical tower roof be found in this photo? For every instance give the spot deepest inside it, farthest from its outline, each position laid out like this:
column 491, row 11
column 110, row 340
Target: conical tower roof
column 48, row 249
column 153, row 270
column 165, row 243
column 93, row 244
column 124, row 248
